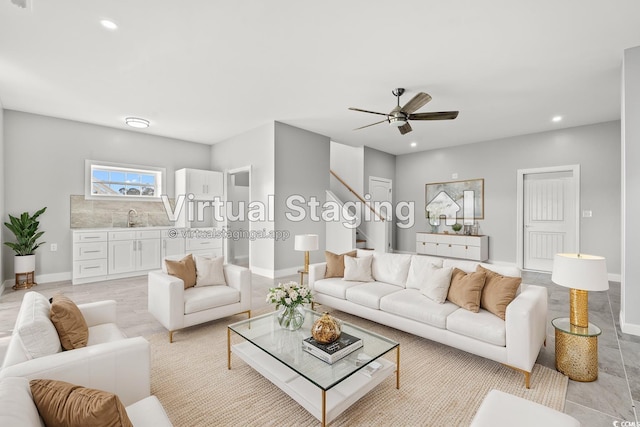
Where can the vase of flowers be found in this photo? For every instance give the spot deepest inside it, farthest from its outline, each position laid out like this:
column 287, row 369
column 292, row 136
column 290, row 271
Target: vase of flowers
column 290, row 296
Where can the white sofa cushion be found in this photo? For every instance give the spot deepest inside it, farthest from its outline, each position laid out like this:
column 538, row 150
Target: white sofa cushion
column 391, row 268
column 411, row 304
column 106, row 332
column 16, row 403
column 148, row 412
column 505, row 270
column 358, row 269
column 204, row 298
column 418, row 272
column 34, row 332
column 466, row 266
column 369, row 294
column 335, row 287
column 483, row 326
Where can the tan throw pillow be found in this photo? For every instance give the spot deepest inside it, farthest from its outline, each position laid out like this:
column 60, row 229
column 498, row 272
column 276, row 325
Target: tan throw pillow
column 335, row 263
column 209, row 271
column 184, row 269
column 466, row 289
column 62, row 404
column 498, row 291
column 69, row 322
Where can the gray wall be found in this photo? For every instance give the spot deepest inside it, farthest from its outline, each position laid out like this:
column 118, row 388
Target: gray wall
column 3, row 210
column 595, row 147
column 629, row 313
column 44, row 157
column 301, row 168
column 255, row 148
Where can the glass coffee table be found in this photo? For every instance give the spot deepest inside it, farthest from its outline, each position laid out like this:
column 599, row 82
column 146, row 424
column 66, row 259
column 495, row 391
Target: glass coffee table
column 324, row 390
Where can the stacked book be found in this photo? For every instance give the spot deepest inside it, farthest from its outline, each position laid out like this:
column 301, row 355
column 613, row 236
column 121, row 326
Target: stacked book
column 334, row 351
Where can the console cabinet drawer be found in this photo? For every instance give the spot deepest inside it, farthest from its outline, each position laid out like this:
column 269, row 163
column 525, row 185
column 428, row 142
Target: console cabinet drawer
column 475, row 248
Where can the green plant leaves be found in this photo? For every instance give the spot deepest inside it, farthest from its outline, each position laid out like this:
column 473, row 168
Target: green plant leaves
column 25, row 229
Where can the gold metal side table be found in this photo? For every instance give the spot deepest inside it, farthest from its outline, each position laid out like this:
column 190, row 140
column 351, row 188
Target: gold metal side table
column 576, row 350
column 302, row 273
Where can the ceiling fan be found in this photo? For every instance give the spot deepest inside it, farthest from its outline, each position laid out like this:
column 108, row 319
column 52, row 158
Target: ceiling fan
column 400, row 116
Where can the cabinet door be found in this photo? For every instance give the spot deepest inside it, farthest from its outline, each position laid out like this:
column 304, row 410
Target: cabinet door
column 215, row 184
column 443, row 249
column 197, row 183
column 121, row 256
column 172, row 246
column 148, row 254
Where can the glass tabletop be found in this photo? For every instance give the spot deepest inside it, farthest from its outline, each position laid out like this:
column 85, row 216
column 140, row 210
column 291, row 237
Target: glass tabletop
column 564, row 324
column 286, row 346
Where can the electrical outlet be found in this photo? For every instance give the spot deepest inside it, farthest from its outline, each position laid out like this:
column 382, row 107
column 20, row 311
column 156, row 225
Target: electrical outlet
column 587, row 214
column 54, row 247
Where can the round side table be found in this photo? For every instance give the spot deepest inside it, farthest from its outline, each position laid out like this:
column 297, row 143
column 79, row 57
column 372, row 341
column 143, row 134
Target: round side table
column 576, row 350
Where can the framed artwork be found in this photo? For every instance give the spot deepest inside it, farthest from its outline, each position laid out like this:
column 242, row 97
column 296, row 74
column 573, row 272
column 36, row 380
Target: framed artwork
column 454, row 192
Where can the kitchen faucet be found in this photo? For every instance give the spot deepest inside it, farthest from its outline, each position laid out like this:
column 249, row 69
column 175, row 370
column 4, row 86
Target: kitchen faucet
column 129, row 220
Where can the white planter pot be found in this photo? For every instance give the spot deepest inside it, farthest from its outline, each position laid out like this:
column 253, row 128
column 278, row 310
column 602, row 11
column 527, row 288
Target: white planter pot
column 24, row 263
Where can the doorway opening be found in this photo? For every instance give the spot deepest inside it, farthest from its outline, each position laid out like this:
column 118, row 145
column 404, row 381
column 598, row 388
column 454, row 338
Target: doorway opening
column 237, row 244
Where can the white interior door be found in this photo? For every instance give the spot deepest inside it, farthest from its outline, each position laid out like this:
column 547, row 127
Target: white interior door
column 379, row 232
column 549, row 217
column 238, row 196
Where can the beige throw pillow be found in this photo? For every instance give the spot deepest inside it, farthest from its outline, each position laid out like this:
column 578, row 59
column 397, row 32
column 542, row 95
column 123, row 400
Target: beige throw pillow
column 184, row 269
column 209, row 271
column 335, row 263
column 69, row 322
column 466, row 289
column 358, row 269
column 436, row 286
column 62, row 404
column 498, row 291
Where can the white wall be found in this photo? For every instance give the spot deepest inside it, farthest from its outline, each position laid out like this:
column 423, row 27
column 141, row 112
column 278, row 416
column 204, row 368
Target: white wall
column 348, row 163
column 302, row 168
column 44, row 165
column 256, row 148
column 3, row 210
column 630, row 285
column 595, row 147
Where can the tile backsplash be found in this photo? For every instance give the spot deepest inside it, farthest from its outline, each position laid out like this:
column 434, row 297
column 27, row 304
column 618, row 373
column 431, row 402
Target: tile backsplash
column 114, row 213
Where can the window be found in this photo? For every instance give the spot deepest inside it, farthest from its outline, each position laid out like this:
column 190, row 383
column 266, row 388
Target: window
column 112, row 180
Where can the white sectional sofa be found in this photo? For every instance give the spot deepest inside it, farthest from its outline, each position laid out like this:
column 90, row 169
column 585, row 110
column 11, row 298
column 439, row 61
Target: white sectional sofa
column 515, row 341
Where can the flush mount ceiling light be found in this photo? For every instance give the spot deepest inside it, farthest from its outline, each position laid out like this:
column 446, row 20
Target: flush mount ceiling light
column 556, row 119
column 109, row 25
column 136, row 122
column 414, row 144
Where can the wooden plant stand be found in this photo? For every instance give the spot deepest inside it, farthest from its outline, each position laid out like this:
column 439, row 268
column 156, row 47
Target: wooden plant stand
column 24, row 281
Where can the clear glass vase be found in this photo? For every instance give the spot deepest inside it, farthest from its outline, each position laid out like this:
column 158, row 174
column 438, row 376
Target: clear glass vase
column 291, row 317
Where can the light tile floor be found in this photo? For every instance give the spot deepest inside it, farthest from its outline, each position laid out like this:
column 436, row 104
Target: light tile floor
column 612, row 397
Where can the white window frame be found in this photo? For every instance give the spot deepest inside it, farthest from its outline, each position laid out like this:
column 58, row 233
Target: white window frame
column 158, row 172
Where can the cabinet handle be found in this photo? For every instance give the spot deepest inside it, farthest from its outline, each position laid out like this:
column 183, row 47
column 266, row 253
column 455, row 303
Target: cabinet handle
column 91, row 237
column 449, row 244
column 164, row 244
column 91, row 268
column 139, row 245
column 437, row 244
column 91, row 252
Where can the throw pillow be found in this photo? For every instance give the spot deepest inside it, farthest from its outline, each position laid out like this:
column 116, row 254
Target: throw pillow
column 335, row 263
column 184, row 269
column 69, row 322
column 437, row 284
column 498, row 291
column 209, row 271
column 466, row 289
column 358, row 269
column 62, row 404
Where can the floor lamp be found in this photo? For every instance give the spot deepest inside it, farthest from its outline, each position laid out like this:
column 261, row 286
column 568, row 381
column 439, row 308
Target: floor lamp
column 306, row 243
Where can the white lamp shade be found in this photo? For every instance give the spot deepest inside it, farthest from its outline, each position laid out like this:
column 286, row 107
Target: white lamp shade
column 306, row 242
column 580, row 271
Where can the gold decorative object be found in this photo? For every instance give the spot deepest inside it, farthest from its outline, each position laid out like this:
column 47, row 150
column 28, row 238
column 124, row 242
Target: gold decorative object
column 326, row 329
column 577, row 355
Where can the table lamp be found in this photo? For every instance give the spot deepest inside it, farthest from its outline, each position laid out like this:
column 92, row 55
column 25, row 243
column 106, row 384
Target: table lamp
column 580, row 273
column 306, row 243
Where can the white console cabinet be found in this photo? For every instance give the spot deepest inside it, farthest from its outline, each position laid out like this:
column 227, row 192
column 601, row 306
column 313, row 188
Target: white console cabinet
column 474, row 248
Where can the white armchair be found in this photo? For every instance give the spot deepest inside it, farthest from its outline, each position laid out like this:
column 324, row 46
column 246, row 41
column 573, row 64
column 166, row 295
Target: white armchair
column 110, row 361
column 176, row 307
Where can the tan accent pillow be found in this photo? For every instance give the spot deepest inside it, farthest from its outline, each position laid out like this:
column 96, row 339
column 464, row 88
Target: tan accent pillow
column 498, row 291
column 69, row 322
column 184, row 269
column 62, row 404
column 335, row 263
column 466, row 289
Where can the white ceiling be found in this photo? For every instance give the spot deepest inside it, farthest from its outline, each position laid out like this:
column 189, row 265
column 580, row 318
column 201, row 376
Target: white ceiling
column 207, row 70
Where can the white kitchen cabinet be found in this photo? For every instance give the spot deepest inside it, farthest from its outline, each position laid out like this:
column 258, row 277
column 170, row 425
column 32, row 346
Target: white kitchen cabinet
column 172, row 242
column 89, row 256
column 203, row 241
column 203, row 184
column 134, row 251
column 453, row 246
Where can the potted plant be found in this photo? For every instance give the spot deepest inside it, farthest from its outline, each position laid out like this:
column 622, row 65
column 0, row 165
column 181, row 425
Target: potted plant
column 25, row 228
column 456, row 227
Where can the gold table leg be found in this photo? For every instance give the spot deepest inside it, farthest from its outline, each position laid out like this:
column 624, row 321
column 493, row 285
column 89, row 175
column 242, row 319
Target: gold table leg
column 398, row 367
column 324, row 408
column 228, row 348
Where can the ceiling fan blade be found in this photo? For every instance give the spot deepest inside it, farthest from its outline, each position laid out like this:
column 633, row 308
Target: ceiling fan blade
column 367, row 111
column 376, row 123
column 442, row 115
column 405, row 128
column 416, row 103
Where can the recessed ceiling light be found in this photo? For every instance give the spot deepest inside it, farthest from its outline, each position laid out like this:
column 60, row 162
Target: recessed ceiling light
column 136, row 122
column 556, row 119
column 109, row 25
column 414, row 144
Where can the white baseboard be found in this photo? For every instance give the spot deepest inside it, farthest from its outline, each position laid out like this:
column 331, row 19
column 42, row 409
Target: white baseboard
column 262, row 272
column 42, row 278
column 288, row 271
column 628, row 328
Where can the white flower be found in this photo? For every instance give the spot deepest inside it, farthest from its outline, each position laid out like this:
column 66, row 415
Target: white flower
column 293, row 294
column 287, row 301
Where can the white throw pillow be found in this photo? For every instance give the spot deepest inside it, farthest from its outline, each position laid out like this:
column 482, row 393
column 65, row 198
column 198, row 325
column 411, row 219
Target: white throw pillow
column 419, row 270
column 390, row 268
column 358, row 269
column 437, row 284
column 209, row 271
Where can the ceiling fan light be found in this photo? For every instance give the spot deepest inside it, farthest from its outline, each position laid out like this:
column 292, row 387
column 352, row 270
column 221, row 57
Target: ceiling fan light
column 136, row 122
column 397, row 121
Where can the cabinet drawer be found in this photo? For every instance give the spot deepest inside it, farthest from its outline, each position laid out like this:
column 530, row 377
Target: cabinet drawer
column 85, row 251
column 148, row 234
column 122, row 235
column 89, row 268
column 196, row 244
column 89, row 236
